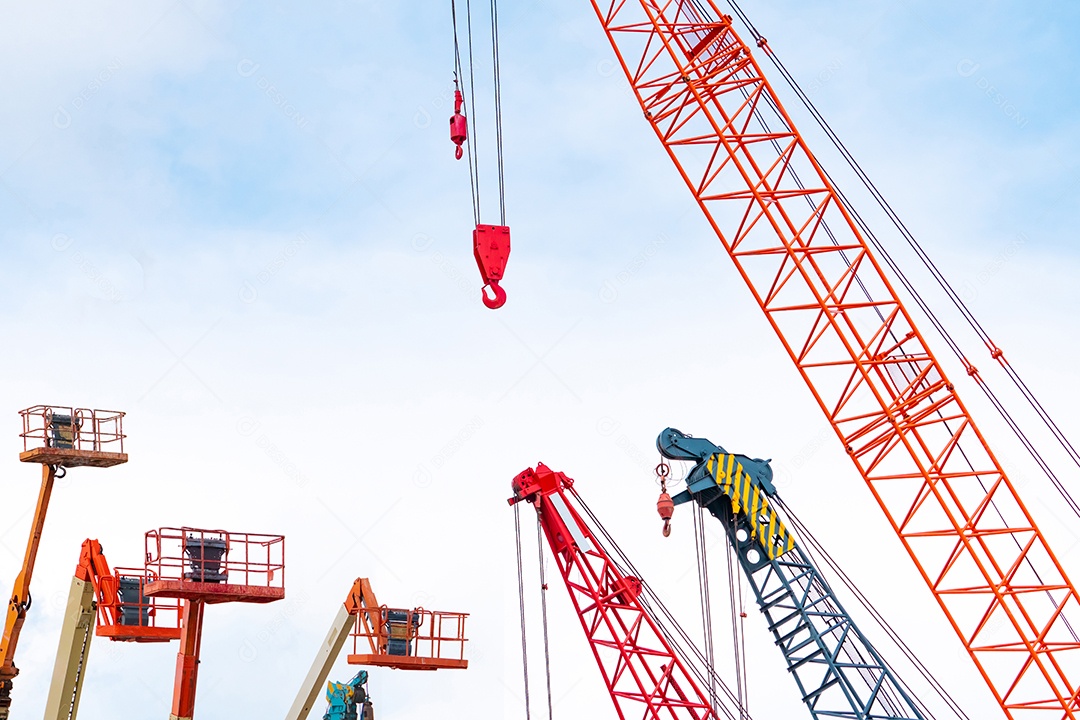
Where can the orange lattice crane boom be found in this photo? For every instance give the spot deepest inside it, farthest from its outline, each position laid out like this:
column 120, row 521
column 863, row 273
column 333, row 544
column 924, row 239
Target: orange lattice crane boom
column 824, row 293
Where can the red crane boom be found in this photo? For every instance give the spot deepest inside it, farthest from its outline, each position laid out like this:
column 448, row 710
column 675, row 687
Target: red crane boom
column 645, row 677
column 899, row 418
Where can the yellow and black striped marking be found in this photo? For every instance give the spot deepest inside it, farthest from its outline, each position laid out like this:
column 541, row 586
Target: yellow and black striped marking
column 749, row 498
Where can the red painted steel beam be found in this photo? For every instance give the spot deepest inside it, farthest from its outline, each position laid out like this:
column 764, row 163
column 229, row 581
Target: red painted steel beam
column 187, row 661
column 644, row 676
column 823, row 292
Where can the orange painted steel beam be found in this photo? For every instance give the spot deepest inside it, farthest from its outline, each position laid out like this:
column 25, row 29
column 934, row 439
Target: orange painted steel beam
column 53, row 436
column 798, row 249
column 203, row 567
column 398, row 662
column 20, row 599
column 187, row 661
column 94, row 568
column 213, row 593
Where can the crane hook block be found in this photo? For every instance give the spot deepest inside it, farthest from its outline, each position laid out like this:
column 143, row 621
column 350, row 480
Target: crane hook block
column 459, row 126
column 491, row 247
column 666, row 507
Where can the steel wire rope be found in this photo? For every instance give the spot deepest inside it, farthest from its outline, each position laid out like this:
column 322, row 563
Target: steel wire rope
column 706, row 605
column 470, row 113
column 672, row 631
column 738, row 637
column 521, row 606
column 866, row 293
column 864, row 226
column 497, row 76
column 938, row 277
column 702, row 17
column 815, row 545
column 543, row 611
column 854, row 654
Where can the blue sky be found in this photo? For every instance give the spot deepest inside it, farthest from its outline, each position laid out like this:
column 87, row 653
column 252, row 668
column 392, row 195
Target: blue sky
column 243, row 225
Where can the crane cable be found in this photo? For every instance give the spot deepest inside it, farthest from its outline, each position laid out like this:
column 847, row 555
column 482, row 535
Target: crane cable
column 474, row 159
column 942, row 282
column 706, row 605
column 864, row 226
column 738, row 615
column 543, row 610
column 677, row 637
column 497, row 77
column 901, row 369
column 814, row 544
column 521, row 606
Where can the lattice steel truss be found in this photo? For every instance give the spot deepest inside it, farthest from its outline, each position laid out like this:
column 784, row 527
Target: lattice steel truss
column 870, row 370
column 645, row 677
column 838, row 671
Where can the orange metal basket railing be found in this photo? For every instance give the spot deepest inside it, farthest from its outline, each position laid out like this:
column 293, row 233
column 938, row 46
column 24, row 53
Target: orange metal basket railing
column 136, row 617
column 417, row 638
column 72, row 428
column 215, row 565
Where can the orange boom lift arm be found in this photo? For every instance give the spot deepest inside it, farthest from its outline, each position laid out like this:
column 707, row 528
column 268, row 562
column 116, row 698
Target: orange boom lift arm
column 396, row 638
column 57, row 438
column 110, row 604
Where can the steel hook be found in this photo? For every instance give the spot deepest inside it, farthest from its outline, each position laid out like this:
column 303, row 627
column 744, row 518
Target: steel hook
column 500, row 295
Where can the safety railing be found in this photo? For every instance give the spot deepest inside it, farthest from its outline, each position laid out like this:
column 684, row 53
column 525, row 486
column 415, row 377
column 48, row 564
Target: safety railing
column 71, row 428
column 252, row 563
column 135, row 617
column 434, row 637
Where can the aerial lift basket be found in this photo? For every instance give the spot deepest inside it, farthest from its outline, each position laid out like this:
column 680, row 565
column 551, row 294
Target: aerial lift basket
column 72, row 437
column 215, row 566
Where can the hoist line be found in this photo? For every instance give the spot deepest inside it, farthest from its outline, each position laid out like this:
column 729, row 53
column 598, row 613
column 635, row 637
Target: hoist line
column 814, row 544
column 939, row 277
column 474, row 164
column 908, row 285
column 864, row 226
column 497, row 76
column 474, row 175
column 682, row 644
column 742, row 639
column 543, row 612
column 706, row 602
column 739, row 649
column 521, row 606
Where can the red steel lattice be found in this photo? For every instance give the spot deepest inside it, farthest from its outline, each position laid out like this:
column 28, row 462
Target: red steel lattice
column 644, row 676
column 870, row 370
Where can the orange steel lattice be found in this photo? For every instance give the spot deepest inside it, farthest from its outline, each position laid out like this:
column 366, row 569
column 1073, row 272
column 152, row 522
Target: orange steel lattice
column 215, row 566
column 870, row 370
column 132, row 616
column 72, row 437
column 415, row 639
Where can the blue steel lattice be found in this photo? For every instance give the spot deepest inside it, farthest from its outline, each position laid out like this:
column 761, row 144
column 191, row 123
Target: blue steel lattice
column 838, row 671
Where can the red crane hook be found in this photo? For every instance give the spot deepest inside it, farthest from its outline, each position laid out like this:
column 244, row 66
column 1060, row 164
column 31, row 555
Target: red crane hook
column 459, row 125
column 491, row 248
column 499, row 298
